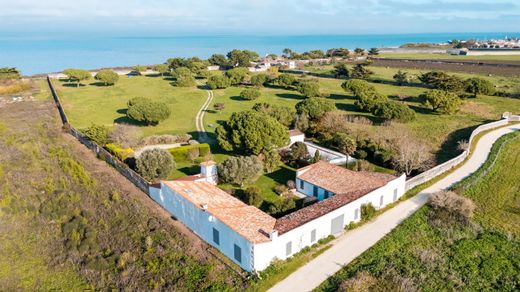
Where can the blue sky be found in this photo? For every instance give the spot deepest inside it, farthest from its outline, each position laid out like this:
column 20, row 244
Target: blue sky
column 261, row 16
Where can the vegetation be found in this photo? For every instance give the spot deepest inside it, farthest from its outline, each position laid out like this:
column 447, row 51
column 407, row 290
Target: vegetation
column 107, row 77
column 441, row 101
column 478, row 86
column 259, row 79
column 250, row 94
column 401, row 78
column 240, row 170
column 161, row 69
column 97, row 133
column 253, row 196
column 181, row 153
column 237, row 75
column 284, row 115
column 285, row 80
column 183, row 77
column 155, row 164
column 77, row 75
column 314, row 107
column 218, row 82
column 10, row 73
column 309, row 88
column 238, row 58
column 147, row 111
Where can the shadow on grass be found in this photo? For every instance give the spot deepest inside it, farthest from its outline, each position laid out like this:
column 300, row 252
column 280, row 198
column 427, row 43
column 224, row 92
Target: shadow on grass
column 282, row 175
column 74, row 85
column 422, row 110
column 290, row 96
column 449, row 146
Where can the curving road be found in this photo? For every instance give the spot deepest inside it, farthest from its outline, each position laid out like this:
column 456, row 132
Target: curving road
column 199, row 119
column 352, row 244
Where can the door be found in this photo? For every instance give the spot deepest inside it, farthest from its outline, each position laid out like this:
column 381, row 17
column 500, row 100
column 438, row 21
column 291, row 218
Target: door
column 336, row 225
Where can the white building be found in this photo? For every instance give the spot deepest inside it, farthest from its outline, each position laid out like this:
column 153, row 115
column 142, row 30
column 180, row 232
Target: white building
column 326, row 154
column 252, row 238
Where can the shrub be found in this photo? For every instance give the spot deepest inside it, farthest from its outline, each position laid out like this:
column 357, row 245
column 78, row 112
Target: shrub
column 77, row 75
column 357, row 86
column 181, row 153
column 240, row 170
column 453, row 206
column 218, row 82
column 253, row 196
column 108, row 77
column 286, row 80
column 442, row 81
column 309, row 88
column 369, row 100
column 119, row 152
column 281, row 189
column 155, row 164
column 363, row 165
column 299, row 151
column 147, row 111
column 280, row 207
column 344, row 143
column 391, row 110
column 250, row 94
column 360, row 72
column 184, row 77
column 165, row 139
column 124, row 135
column 10, row 73
column 441, row 101
column 97, row 133
column 401, row 77
column 478, row 86
column 237, row 75
column 271, row 159
column 341, row 70
column 259, row 79
column 367, row 211
column 282, row 114
column 315, row 107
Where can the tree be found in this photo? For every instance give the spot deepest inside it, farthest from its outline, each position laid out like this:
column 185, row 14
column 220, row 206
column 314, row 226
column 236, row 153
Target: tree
column 442, row 81
column 161, row 68
column 108, row 77
column 282, row 114
column 238, row 58
column 341, row 70
column 97, row 133
column 359, row 51
column 309, row 88
column 250, row 93
column 240, row 170
column 237, row 75
column 259, row 79
column 357, row 86
column 287, row 52
column 317, row 156
column 373, row 52
column 478, row 86
column 174, row 63
column 453, row 205
column 184, row 77
column 315, row 107
column 401, row 77
column 344, row 143
column 299, row 151
column 392, row 110
column 155, row 164
column 10, row 73
column 139, row 69
column 147, row 111
column 272, row 159
column 77, row 75
column 253, row 196
column 286, row 80
column 441, row 101
column 218, row 106
column 410, row 154
column 251, row 132
column 218, row 82
column 367, row 211
column 369, row 100
column 360, row 72
column 339, row 52
column 218, row 60
column 125, row 135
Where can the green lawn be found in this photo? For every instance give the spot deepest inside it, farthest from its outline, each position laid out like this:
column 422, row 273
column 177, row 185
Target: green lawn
column 451, row 256
column 437, row 56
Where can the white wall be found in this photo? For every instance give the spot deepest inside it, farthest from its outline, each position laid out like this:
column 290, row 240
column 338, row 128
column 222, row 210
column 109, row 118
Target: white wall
column 202, row 224
column 308, row 189
column 301, row 236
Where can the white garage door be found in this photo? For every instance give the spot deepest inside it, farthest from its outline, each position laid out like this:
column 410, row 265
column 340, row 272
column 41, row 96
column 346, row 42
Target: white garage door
column 336, row 225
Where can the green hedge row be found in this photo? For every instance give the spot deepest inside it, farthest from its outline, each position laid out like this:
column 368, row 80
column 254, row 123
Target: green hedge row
column 181, row 153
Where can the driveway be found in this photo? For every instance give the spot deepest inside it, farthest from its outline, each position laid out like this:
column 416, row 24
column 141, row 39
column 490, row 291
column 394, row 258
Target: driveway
column 353, row 243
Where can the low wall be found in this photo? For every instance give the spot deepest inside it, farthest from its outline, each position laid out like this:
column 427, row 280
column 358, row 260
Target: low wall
column 100, row 152
column 442, row 168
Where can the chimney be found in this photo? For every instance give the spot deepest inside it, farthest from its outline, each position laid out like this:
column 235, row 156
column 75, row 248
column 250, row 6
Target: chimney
column 204, row 207
column 208, row 170
column 273, row 235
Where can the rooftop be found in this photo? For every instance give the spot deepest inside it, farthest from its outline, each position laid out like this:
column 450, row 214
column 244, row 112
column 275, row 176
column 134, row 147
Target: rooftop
column 248, row 221
column 295, row 132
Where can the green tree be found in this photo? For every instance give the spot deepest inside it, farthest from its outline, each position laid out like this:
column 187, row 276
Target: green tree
column 441, row 101
column 161, row 68
column 392, row 110
column 218, row 82
column 357, row 86
column 184, row 77
column 315, row 107
column 442, row 81
column 360, row 72
column 478, row 86
column 77, row 75
column 373, row 52
column 367, row 211
column 359, row 51
column 10, row 73
column 238, row 58
column 284, row 115
column 108, row 77
column 253, row 196
column 147, row 111
column 259, row 79
column 272, row 159
column 240, row 170
column 309, row 88
column 339, row 52
column 341, row 70
column 286, row 80
column 155, row 164
column 317, row 156
column 218, row 60
column 174, row 63
column 97, row 133
column 219, row 106
column 139, row 69
column 401, row 78
column 251, row 132
column 250, row 93
column 237, row 75
column 344, row 143
column 299, row 152
column 369, row 100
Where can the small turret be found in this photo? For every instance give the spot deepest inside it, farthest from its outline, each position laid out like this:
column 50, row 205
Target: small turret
column 208, row 170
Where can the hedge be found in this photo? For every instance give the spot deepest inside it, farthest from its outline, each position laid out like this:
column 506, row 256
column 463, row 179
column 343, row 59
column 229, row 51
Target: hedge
column 118, row 151
column 180, row 153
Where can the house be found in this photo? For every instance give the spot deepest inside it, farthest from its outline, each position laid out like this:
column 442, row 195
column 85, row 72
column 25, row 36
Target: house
column 253, row 239
column 326, row 154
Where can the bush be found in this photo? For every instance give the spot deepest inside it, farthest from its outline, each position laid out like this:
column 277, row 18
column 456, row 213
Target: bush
column 299, row 151
column 181, row 153
column 253, row 196
column 121, row 153
column 237, row 75
column 315, row 107
column 108, row 77
column 441, row 101
column 10, row 73
column 453, row 206
column 218, row 82
column 155, row 164
column 282, row 206
column 240, row 170
column 77, row 75
column 250, row 94
column 309, row 88
column 284, row 115
column 478, row 86
column 184, row 77
column 259, row 79
column 367, row 211
column 166, row 139
column 392, row 110
column 286, row 80
column 97, row 133
column 281, row 189
column 124, row 135
column 147, row 111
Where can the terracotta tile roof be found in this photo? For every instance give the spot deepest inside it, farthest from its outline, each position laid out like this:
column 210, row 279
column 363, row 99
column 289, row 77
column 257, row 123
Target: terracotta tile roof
column 340, row 180
column 248, row 221
column 295, row 132
column 346, row 185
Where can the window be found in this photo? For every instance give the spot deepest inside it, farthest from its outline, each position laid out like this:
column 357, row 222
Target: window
column 301, row 184
column 315, row 191
column 313, row 235
column 381, row 201
column 216, row 236
column 356, row 214
column 238, row 253
column 288, row 248
column 326, row 194
column 395, row 195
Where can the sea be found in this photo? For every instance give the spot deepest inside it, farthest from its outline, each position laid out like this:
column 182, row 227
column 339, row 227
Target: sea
column 41, row 53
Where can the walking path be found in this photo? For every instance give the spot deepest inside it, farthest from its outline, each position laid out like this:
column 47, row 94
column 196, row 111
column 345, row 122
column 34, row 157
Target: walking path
column 199, row 119
column 352, row 244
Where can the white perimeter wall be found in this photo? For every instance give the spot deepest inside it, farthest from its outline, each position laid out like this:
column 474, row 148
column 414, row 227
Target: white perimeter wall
column 202, row 224
column 301, row 236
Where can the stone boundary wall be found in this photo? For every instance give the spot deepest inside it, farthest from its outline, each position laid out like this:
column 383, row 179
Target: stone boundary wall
column 100, row 152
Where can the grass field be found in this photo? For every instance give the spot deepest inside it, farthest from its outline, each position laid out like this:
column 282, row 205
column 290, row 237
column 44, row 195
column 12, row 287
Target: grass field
column 433, row 56
column 450, row 256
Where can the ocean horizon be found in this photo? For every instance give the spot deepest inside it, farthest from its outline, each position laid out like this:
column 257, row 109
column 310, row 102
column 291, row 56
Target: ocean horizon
column 38, row 54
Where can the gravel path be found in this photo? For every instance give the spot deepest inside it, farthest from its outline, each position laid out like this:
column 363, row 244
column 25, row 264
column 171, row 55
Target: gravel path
column 353, row 243
column 199, row 119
